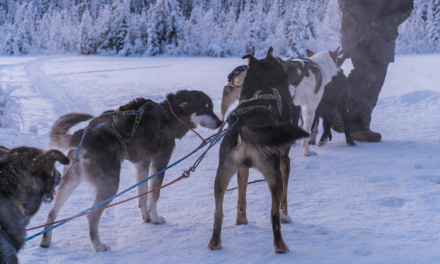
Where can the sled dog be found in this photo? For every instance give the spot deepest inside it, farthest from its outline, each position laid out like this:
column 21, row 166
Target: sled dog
column 260, row 138
column 307, row 79
column 28, row 178
column 149, row 148
column 231, row 92
column 334, row 101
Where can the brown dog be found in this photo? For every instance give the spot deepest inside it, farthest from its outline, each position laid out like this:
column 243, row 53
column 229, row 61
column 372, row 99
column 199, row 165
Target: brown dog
column 27, row 178
column 261, row 138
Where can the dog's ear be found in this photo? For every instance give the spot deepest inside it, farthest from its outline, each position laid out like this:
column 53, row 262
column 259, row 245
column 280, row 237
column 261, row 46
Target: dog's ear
column 251, row 59
column 334, row 55
column 49, row 157
column 270, row 54
column 310, row 53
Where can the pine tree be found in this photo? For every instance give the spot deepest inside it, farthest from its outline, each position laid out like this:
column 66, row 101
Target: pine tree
column 86, row 42
column 102, row 31
column 174, row 23
column 433, row 25
column 121, row 24
column 154, row 31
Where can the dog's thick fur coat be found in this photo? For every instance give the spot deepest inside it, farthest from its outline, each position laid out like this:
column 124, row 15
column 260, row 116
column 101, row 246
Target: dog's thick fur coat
column 260, row 139
column 150, row 149
column 27, row 178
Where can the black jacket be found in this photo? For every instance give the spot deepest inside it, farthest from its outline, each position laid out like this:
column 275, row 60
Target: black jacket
column 381, row 18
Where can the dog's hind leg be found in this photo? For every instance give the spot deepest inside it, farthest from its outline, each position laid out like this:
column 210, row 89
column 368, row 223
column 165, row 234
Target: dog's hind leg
column 342, row 109
column 272, row 174
column 69, row 183
column 285, row 172
column 142, row 169
column 327, row 124
column 315, row 129
column 106, row 181
column 242, row 179
column 154, row 196
column 309, row 119
column 224, row 175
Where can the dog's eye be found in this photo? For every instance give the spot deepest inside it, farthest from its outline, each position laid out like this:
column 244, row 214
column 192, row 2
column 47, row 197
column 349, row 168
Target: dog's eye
column 206, row 105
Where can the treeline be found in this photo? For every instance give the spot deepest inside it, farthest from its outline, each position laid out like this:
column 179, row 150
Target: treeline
column 189, row 27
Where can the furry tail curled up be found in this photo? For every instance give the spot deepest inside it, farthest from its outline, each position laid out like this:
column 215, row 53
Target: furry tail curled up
column 272, row 138
column 58, row 134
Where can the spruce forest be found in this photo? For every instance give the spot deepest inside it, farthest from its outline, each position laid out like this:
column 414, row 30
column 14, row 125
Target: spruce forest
column 214, row 28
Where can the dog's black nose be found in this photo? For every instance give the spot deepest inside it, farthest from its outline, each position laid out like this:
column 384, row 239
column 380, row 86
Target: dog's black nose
column 218, row 123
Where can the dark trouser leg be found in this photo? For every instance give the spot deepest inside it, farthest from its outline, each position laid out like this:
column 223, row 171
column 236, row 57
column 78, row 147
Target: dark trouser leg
column 365, row 81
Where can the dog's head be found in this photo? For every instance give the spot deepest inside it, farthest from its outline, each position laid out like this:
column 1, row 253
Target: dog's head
column 327, row 57
column 29, row 174
column 195, row 106
column 268, row 72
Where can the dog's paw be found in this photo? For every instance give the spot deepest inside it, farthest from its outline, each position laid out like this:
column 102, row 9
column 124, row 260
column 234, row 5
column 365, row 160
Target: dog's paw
column 145, row 217
column 101, row 247
column 281, row 248
column 322, row 143
column 158, row 220
column 310, row 153
column 44, row 243
column 215, row 244
column 241, row 221
column 351, row 143
column 285, row 219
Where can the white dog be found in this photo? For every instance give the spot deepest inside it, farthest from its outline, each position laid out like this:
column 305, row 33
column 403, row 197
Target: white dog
column 307, row 78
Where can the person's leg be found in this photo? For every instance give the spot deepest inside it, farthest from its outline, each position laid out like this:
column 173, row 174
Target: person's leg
column 365, row 81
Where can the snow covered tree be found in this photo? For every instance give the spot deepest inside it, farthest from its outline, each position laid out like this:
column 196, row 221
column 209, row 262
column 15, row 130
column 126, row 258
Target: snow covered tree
column 102, row 31
column 86, row 43
column 154, row 32
column 121, row 24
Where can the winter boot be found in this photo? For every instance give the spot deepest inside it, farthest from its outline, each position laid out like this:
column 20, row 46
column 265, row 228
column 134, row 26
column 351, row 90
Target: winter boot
column 366, row 136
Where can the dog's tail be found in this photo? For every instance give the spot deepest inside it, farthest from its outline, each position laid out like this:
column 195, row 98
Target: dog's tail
column 58, row 134
column 272, row 138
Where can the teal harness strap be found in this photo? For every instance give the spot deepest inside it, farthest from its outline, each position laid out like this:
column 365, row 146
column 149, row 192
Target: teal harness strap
column 138, row 113
column 298, row 65
column 244, row 110
column 275, row 96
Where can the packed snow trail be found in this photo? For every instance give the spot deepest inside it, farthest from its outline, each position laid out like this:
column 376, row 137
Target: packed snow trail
column 61, row 98
column 363, row 204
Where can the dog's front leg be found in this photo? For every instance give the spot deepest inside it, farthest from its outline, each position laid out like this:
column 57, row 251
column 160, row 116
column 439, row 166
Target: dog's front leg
column 285, row 172
column 242, row 180
column 224, row 175
column 141, row 173
column 104, row 190
column 156, row 182
column 309, row 119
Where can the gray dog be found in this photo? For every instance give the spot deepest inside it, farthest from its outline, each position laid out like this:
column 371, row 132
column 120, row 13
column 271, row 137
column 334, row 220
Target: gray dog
column 27, row 178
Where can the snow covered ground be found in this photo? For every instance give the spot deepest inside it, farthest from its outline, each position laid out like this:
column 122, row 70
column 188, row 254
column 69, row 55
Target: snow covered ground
column 366, row 204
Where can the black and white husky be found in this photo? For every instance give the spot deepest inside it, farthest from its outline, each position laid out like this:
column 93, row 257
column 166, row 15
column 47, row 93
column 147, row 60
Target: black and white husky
column 150, row 149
